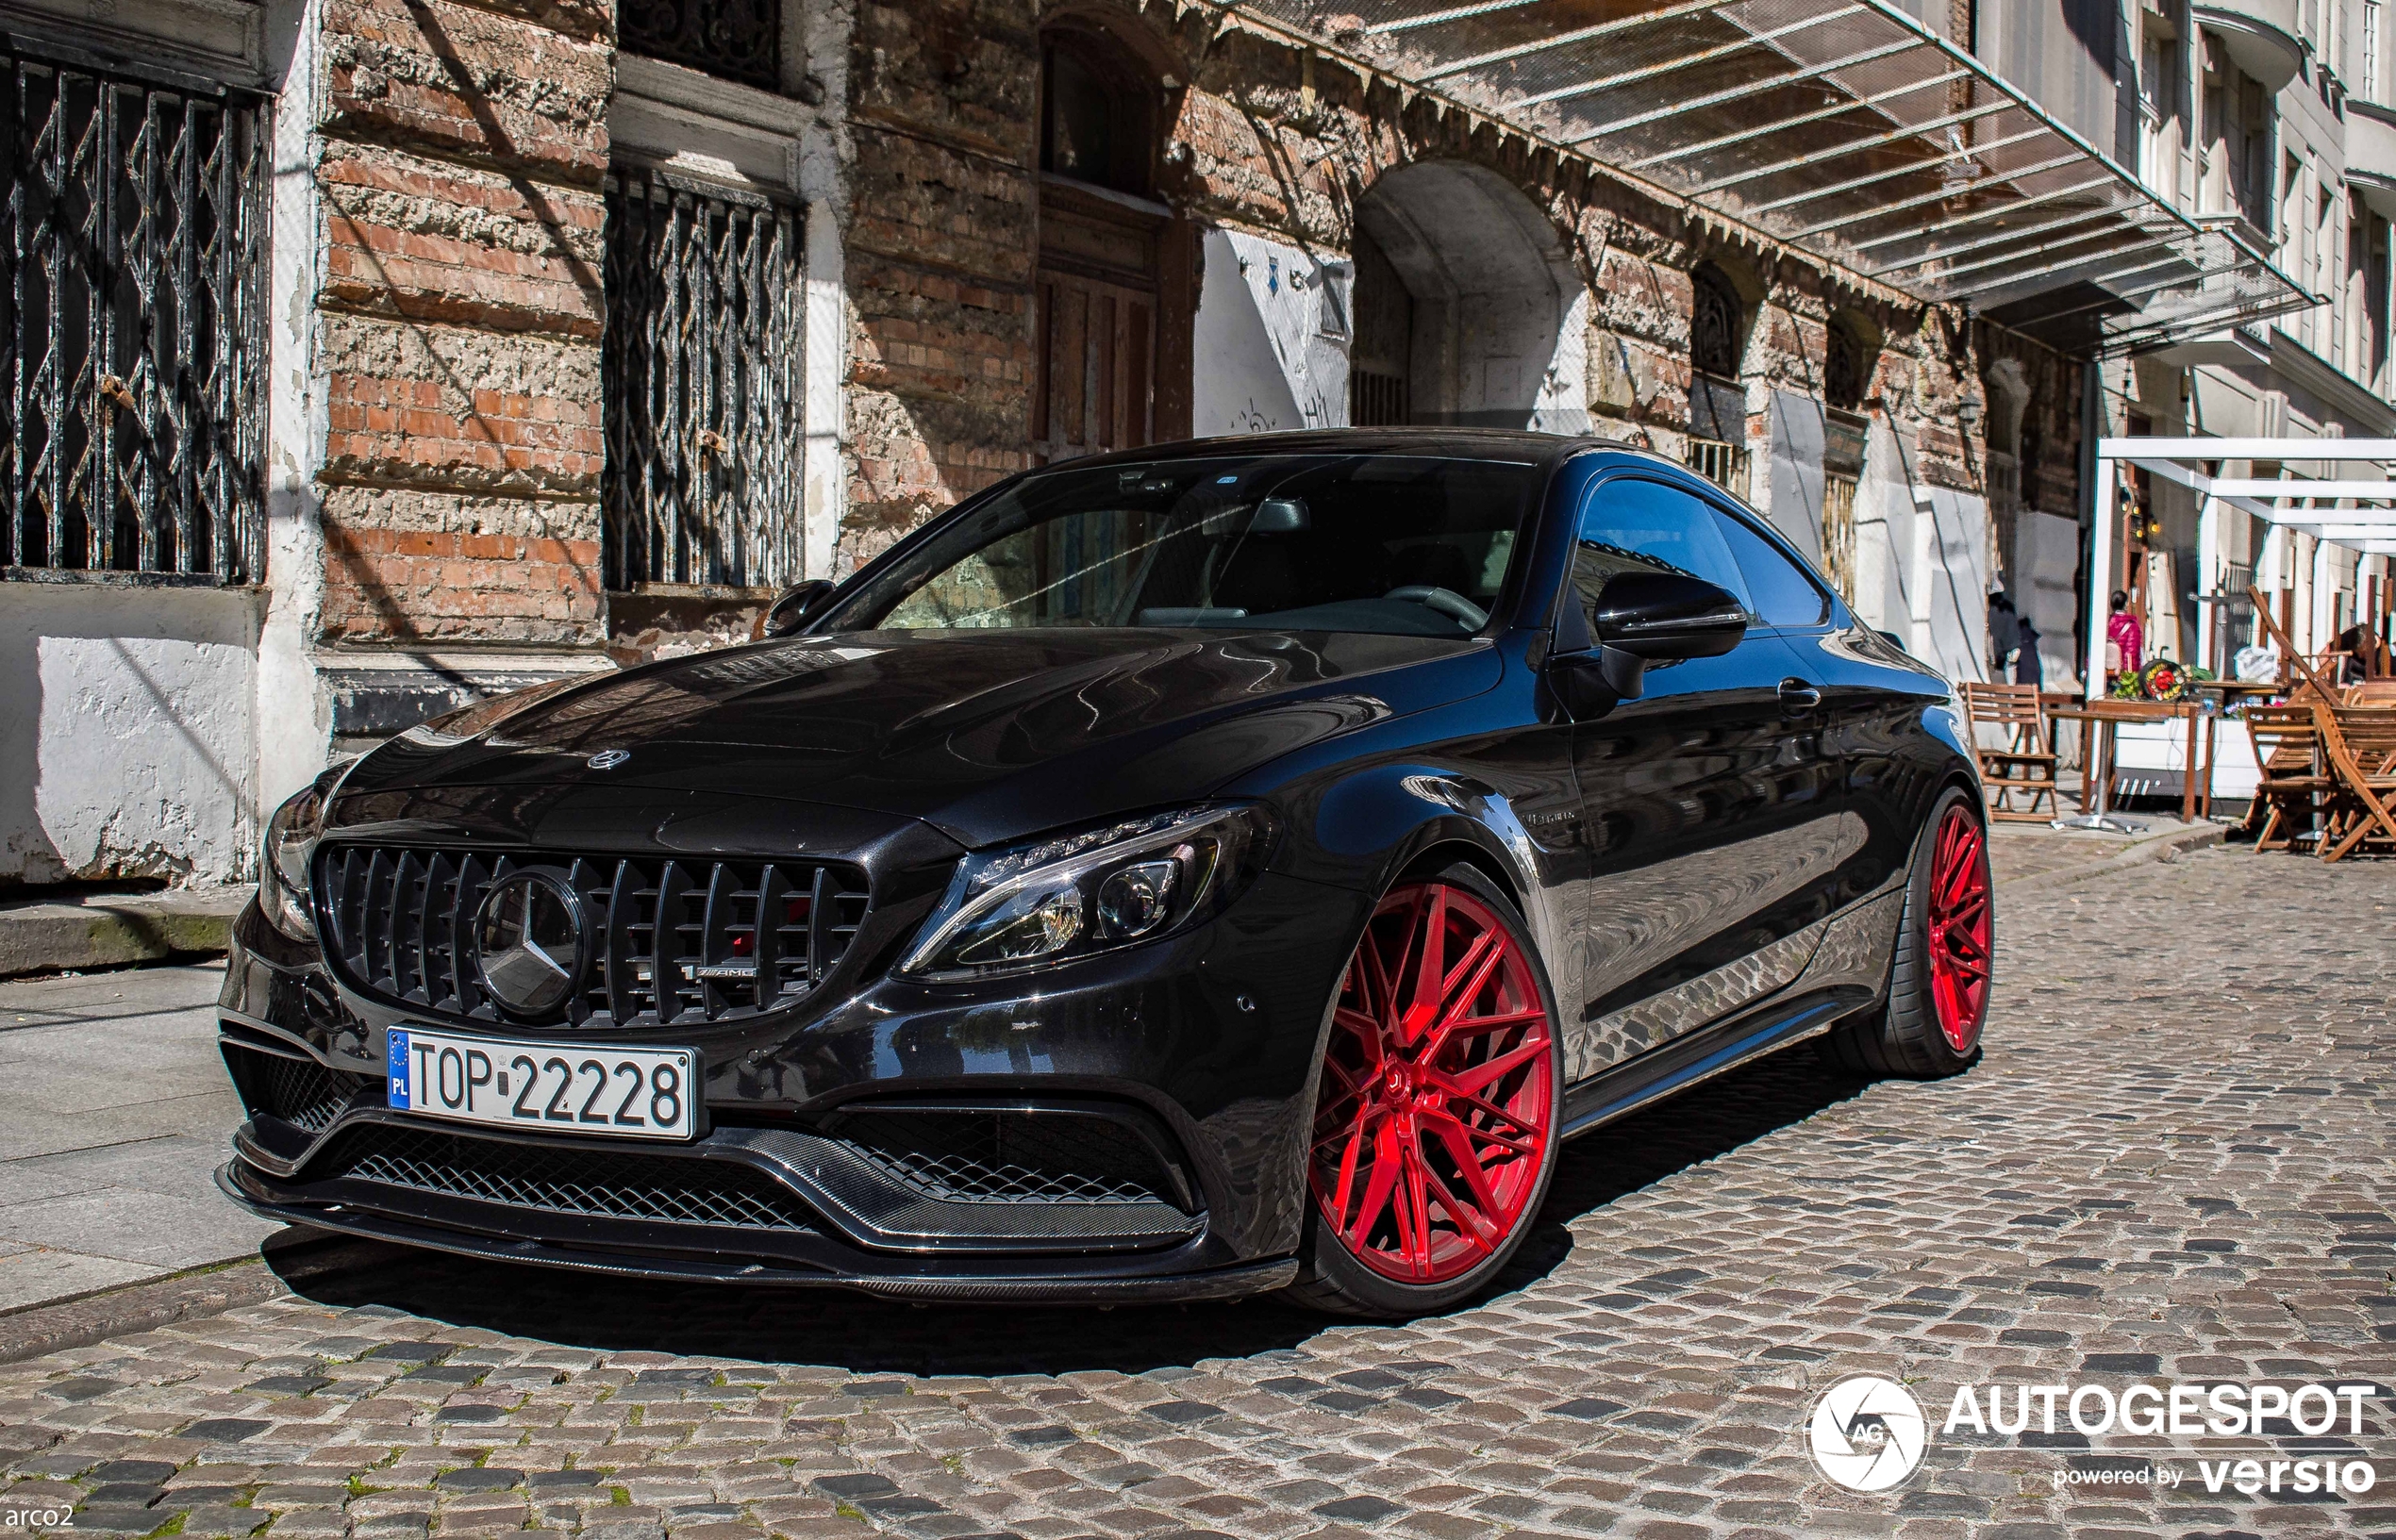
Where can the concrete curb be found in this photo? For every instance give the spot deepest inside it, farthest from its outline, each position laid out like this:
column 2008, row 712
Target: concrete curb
column 2162, row 847
column 55, row 1326
column 110, row 931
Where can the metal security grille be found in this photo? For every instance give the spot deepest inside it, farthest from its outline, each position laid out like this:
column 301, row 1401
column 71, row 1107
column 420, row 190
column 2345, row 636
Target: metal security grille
column 703, row 378
column 1838, row 533
column 739, row 39
column 1723, row 464
column 133, row 271
column 1376, row 400
column 672, row 941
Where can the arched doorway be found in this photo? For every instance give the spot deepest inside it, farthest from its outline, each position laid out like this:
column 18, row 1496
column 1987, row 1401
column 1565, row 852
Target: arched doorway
column 1466, row 306
column 1112, row 303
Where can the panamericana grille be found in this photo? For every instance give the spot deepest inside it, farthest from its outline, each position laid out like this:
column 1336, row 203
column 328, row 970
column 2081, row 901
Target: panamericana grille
column 301, row 1092
column 600, row 1184
column 974, row 1156
column 673, row 941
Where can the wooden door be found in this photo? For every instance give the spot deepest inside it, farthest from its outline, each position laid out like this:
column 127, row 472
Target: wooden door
column 1097, row 331
column 1097, row 386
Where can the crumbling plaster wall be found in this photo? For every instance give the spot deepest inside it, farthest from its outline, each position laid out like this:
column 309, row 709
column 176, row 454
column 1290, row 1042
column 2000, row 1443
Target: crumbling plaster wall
column 127, row 732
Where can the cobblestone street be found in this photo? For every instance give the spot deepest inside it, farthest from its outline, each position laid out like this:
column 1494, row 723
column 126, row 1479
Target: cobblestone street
column 2173, row 1163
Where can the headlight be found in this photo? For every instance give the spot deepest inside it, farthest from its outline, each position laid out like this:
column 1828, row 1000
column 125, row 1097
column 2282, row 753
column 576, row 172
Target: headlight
column 282, row 862
column 1137, row 880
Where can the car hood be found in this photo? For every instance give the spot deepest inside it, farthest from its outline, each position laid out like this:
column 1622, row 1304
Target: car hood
column 985, row 734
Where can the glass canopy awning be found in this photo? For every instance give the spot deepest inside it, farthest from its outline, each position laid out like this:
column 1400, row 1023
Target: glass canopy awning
column 1844, row 127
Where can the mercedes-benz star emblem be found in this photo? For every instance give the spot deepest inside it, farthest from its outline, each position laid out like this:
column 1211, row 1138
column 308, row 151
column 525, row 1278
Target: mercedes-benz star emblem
column 531, row 942
column 609, row 758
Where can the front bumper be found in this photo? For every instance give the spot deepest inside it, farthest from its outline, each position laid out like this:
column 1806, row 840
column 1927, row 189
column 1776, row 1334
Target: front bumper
column 1181, row 1072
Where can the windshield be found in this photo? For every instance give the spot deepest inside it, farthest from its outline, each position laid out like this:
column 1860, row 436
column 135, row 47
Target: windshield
column 1408, row 544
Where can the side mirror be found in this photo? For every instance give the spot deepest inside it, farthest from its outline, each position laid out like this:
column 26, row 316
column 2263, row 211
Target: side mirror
column 1641, row 617
column 1664, row 616
column 790, row 612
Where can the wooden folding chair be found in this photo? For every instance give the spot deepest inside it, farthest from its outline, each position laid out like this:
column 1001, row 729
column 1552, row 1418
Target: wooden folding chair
column 2290, row 786
column 2306, row 675
column 2372, row 693
column 2026, row 762
column 2359, row 742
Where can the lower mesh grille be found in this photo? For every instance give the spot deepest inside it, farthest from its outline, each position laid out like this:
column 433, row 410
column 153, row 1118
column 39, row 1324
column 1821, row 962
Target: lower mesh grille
column 599, row 1184
column 301, row 1092
column 973, row 1156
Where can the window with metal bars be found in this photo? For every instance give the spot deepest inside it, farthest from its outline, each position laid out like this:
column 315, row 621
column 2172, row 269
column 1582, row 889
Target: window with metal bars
column 1723, row 464
column 739, row 39
column 1376, row 400
column 1838, row 533
column 703, row 378
column 133, row 274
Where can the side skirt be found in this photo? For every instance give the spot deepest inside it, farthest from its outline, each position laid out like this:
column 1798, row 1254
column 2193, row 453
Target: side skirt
column 1676, row 1066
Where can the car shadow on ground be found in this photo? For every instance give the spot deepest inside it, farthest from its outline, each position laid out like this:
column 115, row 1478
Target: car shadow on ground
column 865, row 1336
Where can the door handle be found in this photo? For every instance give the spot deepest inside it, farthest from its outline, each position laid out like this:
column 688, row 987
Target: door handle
column 1797, row 697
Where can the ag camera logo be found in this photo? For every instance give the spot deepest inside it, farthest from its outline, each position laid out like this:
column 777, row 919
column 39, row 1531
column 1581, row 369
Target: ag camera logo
column 1866, row 1433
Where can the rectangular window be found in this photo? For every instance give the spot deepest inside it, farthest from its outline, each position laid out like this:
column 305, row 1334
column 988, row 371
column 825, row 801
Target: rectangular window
column 702, row 374
column 2371, row 51
column 1838, row 533
column 2158, row 88
column 1722, row 463
column 133, row 271
column 739, row 39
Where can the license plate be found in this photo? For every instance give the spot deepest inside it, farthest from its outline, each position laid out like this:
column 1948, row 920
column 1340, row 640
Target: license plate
column 638, row 1093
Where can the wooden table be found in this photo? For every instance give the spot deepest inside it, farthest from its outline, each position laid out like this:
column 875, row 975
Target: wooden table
column 2100, row 721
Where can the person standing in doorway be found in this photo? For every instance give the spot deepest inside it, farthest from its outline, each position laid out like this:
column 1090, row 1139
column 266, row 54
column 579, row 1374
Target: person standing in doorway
column 2125, row 638
column 2026, row 662
column 2004, row 633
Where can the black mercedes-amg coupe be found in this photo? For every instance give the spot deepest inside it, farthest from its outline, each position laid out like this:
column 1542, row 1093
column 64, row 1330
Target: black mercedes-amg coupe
column 1174, row 874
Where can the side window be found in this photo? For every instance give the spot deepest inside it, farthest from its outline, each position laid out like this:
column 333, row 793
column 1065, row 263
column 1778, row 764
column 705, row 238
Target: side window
column 1645, row 526
column 1782, row 594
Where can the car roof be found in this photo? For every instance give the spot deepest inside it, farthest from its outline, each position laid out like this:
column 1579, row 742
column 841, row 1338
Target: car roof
column 1461, row 443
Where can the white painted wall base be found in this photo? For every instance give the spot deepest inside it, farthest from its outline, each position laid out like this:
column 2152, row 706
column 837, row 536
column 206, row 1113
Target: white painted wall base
column 129, row 733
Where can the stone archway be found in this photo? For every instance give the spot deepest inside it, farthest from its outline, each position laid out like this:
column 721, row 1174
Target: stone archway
column 1467, row 308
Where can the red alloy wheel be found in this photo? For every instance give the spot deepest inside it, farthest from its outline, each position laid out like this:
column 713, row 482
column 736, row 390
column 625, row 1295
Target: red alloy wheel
column 1960, row 951
column 1438, row 1097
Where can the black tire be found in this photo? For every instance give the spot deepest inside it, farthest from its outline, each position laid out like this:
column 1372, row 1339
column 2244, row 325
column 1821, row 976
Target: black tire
column 1901, row 1037
column 1330, row 1277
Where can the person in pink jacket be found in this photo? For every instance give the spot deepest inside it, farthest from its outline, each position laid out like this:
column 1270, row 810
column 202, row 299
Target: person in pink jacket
column 2125, row 639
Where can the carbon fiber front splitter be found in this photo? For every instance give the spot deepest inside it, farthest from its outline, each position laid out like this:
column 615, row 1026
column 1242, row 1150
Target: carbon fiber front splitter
column 1065, row 1288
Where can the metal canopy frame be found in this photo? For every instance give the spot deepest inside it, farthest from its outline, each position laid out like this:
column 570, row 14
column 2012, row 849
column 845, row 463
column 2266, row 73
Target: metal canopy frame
column 1891, row 153
column 2362, row 517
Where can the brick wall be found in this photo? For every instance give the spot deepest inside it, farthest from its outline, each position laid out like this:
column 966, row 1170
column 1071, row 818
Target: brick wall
column 462, row 152
column 943, row 199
